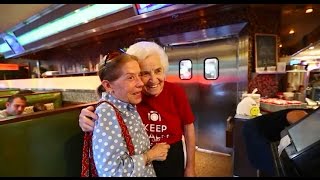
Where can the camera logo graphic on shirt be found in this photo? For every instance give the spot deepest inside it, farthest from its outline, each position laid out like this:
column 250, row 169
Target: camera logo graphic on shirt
column 154, row 116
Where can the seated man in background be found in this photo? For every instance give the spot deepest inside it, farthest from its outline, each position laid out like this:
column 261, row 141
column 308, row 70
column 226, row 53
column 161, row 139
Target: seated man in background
column 14, row 106
column 39, row 107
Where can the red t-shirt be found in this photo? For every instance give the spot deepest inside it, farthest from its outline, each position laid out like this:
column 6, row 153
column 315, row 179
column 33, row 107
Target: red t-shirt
column 164, row 116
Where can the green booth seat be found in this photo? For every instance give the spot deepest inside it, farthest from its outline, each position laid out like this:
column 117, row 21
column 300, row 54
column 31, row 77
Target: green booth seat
column 42, row 144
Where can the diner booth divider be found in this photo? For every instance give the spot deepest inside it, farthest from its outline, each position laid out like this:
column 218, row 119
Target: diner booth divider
column 46, row 143
column 54, row 97
column 10, row 91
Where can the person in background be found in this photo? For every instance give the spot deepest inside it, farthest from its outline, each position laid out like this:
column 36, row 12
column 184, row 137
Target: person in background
column 165, row 112
column 26, row 91
column 14, row 106
column 39, row 107
column 120, row 80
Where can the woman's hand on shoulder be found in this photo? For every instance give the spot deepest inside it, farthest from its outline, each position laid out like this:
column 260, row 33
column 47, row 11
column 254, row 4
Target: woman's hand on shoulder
column 87, row 118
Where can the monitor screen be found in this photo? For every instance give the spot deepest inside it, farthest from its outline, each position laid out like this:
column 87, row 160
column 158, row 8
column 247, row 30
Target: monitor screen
column 144, row 8
column 306, row 131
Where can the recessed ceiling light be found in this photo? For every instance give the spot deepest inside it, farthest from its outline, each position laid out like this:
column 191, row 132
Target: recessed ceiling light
column 309, row 10
column 280, row 45
column 291, row 31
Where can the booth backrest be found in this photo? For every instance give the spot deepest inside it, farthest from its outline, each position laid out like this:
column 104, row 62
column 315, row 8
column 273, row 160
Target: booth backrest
column 7, row 92
column 45, row 143
column 54, row 97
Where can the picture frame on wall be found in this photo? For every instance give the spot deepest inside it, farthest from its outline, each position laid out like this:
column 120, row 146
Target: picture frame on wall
column 266, row 52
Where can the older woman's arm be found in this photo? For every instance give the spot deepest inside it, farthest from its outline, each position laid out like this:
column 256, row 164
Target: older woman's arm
column 85, row 123
column 189, row 134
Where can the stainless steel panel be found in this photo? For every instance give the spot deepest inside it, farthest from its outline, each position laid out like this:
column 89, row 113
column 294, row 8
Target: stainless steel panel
column 212, row 101
column 221, row 32
column 242, row 66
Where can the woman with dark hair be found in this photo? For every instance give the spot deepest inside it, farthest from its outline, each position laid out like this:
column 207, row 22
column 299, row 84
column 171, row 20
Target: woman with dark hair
column 26, row 91
column 116, row 153
column 39, row 107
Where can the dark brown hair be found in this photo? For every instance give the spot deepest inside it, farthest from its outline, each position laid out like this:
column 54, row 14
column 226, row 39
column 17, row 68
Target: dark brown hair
column 111, row 69
column 26, row 91
column 39, row 107
column 11, row 98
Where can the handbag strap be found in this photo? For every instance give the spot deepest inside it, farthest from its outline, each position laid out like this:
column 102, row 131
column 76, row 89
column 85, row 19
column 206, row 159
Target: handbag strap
column 88, row 168
column 87, row 155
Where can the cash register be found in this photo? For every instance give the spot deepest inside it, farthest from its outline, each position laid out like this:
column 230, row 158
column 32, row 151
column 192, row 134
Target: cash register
column 302, row 152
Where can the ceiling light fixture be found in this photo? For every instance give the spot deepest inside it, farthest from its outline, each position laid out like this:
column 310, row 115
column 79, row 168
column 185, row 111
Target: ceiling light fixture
column 309, row 10
column 291, row 31
column 280, row 45
column 70, row 20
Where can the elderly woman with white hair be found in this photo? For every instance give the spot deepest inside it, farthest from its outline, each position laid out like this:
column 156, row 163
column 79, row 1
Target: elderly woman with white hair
column 164, row 109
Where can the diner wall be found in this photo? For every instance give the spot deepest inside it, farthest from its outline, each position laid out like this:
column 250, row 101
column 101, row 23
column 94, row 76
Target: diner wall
column 73, row 57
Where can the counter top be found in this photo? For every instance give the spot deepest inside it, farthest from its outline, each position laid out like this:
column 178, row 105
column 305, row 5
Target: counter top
column 72, row 74
column 90, row 82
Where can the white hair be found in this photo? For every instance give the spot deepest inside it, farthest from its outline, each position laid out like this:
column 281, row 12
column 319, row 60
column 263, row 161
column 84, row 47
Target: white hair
column 144, row 49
